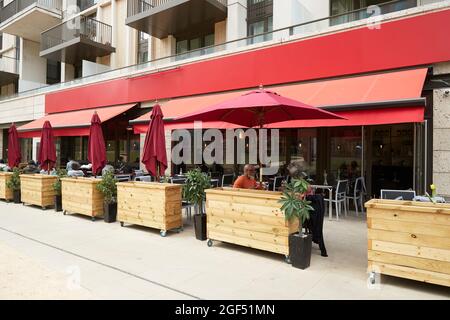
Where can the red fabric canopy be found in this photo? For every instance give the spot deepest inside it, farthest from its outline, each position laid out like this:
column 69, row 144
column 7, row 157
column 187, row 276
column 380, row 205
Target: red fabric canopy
column 47, row 150
column 398, row 86
column 71, row 123
column 14, row 155
column 258, row 108
column 96, row 145
column 154, row 154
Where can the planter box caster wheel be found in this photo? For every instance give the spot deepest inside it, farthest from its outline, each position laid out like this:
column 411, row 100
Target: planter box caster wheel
column 372, row 278
column 44, row 208
column 180, row 230
column 209, row 243
column 287, row 260
column 122, row 224
column 163, row 233
column 64, row 212
column 93, row 219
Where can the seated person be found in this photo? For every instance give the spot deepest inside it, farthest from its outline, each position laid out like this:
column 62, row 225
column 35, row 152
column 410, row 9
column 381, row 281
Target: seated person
column 31, row 168
column 247, row 180
column 69, row 164
column 75, row 172
column 107, row 168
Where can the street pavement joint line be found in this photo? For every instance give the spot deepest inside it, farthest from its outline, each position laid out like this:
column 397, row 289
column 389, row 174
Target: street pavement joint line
column 101, row 263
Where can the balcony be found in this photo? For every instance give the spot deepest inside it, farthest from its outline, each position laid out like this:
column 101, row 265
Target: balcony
column 80, row 38
column 161, row 18
column 9, row 70
column 28, row 18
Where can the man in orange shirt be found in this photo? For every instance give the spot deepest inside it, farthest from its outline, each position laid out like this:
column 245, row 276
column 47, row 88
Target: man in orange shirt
column 247, row 181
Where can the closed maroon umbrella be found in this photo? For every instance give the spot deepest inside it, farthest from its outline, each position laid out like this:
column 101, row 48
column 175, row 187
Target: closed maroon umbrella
column 96, row 145
column 47, row 150
column 154, row 155
column 14, row 155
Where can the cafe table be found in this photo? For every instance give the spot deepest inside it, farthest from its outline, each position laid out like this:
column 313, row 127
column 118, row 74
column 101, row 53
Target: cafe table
column 330, row 197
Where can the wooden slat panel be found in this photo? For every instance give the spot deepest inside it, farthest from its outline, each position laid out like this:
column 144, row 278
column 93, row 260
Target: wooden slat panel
column 248, row 225
column 254, row 235
column 411, row 273
column 410, row 238
column 410, row 227
column 81, row 196
column 411, row 250
column 410, row 216
column 5, row 192
column 37, row 189
column 248, row 242
column 408, row 261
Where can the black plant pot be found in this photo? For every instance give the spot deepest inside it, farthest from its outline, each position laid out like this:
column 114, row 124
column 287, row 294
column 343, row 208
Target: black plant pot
column 58, row 203
column 110, row 212
column 200, row 226
column 300, row 250
column 17, row 197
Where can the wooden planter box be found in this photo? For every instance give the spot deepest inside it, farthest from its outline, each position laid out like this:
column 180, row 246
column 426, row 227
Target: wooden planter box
column 154, row 205
column 37, row 189
column 249, row 218
column 409, row 240
column 80, row 195
column 5, row 192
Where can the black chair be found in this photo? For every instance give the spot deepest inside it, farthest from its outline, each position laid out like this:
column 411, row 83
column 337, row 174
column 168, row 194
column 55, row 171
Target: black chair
column 277, row 182
column 177, row 180
column 314, row 225
column 227, row 180
column 214, row 183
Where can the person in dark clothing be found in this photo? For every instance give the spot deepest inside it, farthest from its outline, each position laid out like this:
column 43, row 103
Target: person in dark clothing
column 315, row 223
column 31, row 168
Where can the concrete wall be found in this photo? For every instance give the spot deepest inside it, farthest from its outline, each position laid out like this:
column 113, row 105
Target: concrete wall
column 220, row 32
column 91, row 68
column 22, row 109
column 163, row 47
column 441, row 134
column 32, row 68
column 237, row 19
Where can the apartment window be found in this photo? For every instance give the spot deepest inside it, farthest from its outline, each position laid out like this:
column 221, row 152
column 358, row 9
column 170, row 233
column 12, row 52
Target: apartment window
column 340, row 7
column 259, row 19
column 53, row 72
column 194, row 43
column 1, row 40
column 142, row 49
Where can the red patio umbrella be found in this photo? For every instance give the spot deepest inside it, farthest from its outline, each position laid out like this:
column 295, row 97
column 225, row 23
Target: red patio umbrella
column 47, row 150
column 96, row 145
column 14, row 155
column 258, row 108
column 154, row 156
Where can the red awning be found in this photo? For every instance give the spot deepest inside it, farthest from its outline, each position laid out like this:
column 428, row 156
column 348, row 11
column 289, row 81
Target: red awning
column 384, row 98
column 73, row 123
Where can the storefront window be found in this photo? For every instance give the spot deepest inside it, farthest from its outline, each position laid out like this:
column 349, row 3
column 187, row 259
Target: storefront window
column 26, row 146
column 345, row 154
column 302, row 150
column 111, row 150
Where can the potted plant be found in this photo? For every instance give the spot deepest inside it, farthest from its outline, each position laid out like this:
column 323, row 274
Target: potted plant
column 108, row 188
column 60, row 173
column 295, row 206
column 14, row 185
column 194, row 192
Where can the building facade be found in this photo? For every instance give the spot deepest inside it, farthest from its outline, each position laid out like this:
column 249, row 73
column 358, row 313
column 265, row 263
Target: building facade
column 384, row 65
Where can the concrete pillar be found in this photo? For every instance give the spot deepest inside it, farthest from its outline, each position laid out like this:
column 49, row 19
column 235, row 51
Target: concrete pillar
column 32, row 68
column 3, row 145
column 441, row 134
column 169, row 152
column 114, row 32
column 236, row 20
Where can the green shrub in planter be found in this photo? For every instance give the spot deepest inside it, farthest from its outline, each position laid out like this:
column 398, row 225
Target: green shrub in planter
column 60, row 173
column 194, row 192
column 295, row 206
column 108, row 187
column 14, row 184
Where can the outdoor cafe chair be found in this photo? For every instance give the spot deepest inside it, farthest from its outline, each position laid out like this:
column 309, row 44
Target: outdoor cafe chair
column 357, row 194
column 184, row 204
column 339, row 197
column 227, row 180
column 277, row 182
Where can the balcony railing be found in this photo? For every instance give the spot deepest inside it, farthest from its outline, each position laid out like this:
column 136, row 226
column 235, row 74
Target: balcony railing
column 299, row 31
column 138, row 6
column 383, row 8
column 85, row 4
column 79, row 27
column 17, row 6
column 9, row 64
